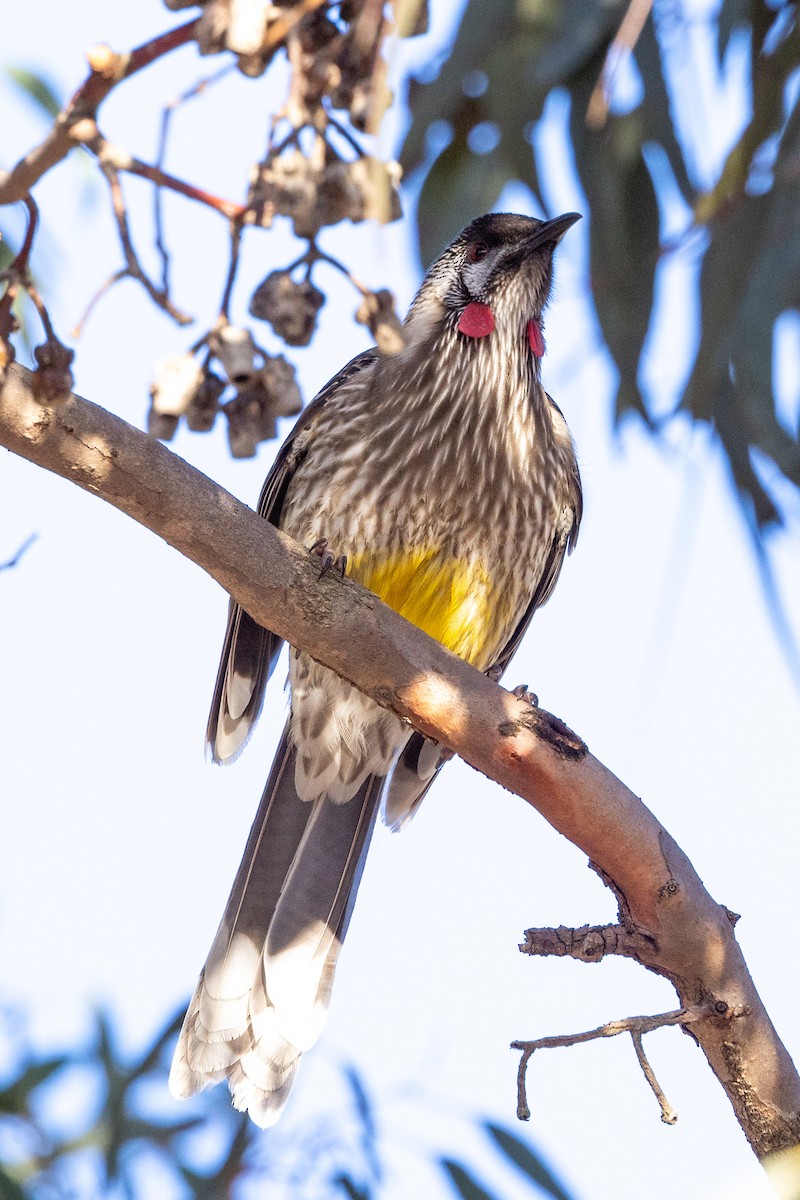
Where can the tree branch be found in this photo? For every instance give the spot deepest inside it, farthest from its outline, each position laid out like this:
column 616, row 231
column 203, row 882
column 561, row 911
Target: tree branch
column 107, row 70
column 679, row 931
column 635, row 1026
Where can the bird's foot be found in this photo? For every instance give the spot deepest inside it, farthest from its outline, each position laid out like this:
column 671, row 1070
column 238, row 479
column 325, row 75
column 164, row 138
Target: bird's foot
column 328, row 560
column 522, row 693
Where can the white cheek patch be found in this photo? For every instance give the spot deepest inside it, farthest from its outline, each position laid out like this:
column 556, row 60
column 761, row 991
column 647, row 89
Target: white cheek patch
column 476, row 275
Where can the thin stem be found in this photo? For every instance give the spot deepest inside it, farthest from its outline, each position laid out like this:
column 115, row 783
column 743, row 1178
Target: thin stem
column 668, row 1114
column 236, row 240
column 163, row 136
column 636, row 1027
column 77, row 329
column 626, row 38
column 343, row 132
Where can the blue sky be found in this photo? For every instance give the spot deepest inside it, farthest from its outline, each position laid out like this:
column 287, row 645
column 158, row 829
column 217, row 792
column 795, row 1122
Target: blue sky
column 120, row 842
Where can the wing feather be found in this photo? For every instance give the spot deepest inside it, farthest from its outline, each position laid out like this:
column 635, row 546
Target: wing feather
column 250, row 652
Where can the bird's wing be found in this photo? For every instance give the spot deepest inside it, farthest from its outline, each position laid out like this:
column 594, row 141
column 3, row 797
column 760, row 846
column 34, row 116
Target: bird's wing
column 249, row 652
column 421, row 760
column 564, row 539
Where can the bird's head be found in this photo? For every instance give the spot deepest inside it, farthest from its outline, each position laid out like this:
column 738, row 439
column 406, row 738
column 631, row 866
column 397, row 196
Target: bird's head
column 495, row 276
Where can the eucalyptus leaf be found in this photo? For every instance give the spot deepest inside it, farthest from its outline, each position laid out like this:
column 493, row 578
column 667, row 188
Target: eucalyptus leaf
column 459, row 186
column 732, row 15
column 623, row 234
column 10, row 1189
column 656, row 107
column 525, row 1158
column 14, row 1099
column 464, row 1182
column 37, row 88
column 484, row 24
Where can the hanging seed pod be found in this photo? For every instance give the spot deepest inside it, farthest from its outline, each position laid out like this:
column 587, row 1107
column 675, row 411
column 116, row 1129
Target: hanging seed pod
column 212, row 27
column 247, row 26
column 176, row 382
column 203, row 409
column 279, row 381
column 363, row 189
column 52, row 380
column 245, row 423
column 291, row 308
column 288, row 185
column 161, row 425
column 236, row 351
column 316, row 32
column 377, row 312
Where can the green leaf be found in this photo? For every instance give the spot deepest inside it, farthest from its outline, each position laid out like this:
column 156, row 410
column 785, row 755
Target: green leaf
column 459, row 186
column 36, row 88
column 723, row 278
column 464, row 1182
column 14, row 1098
column 525, row 49
column 564, row 36
column 772, row 286
column 770, row 74
column 655, row 110
column 9, row 1188
column 485, row 23
column 151, row 1058
column 347, row 1185
column 7, row 252
column 733, row 14
column 623, row 232
column 525, row 1158
column 749, row 276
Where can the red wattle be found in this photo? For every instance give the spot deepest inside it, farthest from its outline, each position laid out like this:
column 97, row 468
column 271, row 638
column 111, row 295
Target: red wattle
column 535, row 337
column 476, row 320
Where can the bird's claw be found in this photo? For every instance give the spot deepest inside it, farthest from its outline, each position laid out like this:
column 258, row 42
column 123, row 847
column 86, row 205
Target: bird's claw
column 522, row 693
column 329, row 562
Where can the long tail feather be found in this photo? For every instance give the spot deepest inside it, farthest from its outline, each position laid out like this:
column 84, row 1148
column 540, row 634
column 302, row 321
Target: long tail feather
column 263, row 993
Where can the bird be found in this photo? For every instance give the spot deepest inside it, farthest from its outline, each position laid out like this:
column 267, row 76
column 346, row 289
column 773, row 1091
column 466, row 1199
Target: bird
column 446, row 480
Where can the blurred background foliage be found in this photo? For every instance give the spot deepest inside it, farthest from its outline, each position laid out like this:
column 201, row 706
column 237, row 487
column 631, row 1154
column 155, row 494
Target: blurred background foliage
column 636, row 126
column 93, row 1122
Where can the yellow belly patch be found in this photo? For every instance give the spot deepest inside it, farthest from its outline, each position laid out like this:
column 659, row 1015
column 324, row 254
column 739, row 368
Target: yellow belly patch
column 454, row 601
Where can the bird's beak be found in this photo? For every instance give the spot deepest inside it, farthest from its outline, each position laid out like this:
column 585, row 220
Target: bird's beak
column 550, row 233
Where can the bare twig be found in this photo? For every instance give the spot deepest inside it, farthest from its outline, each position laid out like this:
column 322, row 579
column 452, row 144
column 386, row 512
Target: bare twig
column 21, row 263
column 121, row 160
column 668, row 1114
column 191, row 93
column 233, row 266
column 18, row 275
column 77, row 329
column 589, row 943
column 108, row 69
column 344, row 133
column 133, row 267
column 632, row 1025
column 314, row 254
column 626, row 38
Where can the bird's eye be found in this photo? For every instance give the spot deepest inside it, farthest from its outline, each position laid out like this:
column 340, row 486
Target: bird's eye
column 477, row 252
